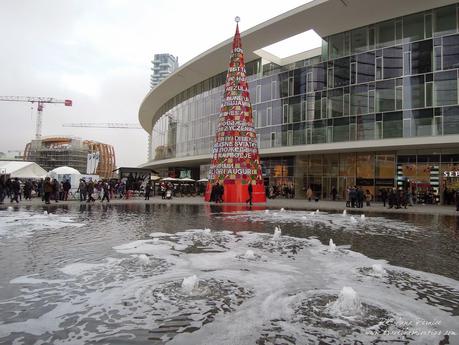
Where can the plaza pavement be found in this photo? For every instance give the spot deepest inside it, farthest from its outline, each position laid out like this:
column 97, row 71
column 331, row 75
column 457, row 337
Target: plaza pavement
column 294, row 204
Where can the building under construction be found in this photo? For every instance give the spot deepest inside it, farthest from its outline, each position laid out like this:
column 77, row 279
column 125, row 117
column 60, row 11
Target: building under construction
column 53, row 152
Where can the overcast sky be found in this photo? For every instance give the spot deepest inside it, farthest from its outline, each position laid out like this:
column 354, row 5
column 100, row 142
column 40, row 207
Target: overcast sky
column 98, row 53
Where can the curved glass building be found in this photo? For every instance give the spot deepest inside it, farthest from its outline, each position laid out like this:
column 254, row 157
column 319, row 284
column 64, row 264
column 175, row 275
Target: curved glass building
column 376, row 106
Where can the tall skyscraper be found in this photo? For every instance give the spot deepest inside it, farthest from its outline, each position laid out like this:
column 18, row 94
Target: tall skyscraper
column 163, row 65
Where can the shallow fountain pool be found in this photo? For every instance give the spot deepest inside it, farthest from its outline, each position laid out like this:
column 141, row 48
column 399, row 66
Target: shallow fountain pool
column 181, row 274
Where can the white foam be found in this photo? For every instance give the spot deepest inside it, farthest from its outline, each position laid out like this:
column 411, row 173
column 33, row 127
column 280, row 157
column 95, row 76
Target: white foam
column 189, row 284
column 80, row 268
column 21, row 224
column 331, row 246
column 347, row 304
column 378, row 270
column 277, row 233
column 160, row 234
column 279, row 283
column 143, row 260
column 250, row 255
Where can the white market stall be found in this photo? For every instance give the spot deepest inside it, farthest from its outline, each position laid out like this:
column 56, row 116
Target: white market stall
column 22, row 170
column 67, row 173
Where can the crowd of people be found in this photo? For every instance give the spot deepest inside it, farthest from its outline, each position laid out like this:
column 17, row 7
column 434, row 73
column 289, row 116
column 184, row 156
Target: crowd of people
column 274, row 191
column 50, row 189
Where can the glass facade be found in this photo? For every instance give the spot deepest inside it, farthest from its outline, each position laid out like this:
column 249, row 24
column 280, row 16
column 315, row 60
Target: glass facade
column 394, row 79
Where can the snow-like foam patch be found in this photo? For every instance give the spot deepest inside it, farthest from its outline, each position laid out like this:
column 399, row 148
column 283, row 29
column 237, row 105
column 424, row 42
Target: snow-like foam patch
column 23, row 224
column 217, row 287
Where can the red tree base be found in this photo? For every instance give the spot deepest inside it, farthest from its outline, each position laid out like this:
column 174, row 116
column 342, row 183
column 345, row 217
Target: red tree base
column 237, row 192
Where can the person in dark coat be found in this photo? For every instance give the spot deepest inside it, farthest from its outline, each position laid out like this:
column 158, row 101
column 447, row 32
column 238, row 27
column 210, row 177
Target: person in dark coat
column 56, row 189
column 384, row 196
column 66, row 186
column 249, row 190
column 147, row 191
column 105, row 191
column 16, row 190
column 2, row 188
column 47, row 189
column 334, row 192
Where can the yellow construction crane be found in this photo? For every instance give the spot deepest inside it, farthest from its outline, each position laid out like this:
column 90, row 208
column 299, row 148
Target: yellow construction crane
column 40, row 101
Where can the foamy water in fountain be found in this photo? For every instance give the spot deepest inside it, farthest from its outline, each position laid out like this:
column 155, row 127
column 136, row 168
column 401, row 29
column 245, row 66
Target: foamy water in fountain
column 214, row 286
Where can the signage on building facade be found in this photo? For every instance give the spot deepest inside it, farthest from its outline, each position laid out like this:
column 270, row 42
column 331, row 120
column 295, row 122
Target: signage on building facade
column 451, row 173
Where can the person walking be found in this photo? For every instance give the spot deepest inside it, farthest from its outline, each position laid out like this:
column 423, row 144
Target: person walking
column 384, row 196
column 249, row 190
column 16, row 190
column 368, row 197
column 147, row 190
column 66, row 186
column 90, row 190
column 56, row 189
column 2, row 188
column 82, row 190
column 309, row 193
column 334, row 192
column 105, row 191
column 47, row 190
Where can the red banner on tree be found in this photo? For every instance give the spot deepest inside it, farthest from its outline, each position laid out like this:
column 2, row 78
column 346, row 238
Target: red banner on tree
column 235, row 159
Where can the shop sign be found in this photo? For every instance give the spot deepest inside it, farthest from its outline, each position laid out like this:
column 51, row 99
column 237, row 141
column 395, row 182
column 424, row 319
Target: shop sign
column 451, row 173
column 365, row 182
column 384, row 182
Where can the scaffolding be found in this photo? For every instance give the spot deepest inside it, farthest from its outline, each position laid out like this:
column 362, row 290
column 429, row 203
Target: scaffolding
column 54, row 152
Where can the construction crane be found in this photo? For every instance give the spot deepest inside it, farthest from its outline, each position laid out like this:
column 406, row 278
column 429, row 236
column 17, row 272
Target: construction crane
column 115, row 125
column 104, row 125
column 40, row 101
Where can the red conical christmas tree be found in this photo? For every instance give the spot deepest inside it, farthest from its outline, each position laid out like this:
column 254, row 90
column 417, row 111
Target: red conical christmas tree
column 235, row 158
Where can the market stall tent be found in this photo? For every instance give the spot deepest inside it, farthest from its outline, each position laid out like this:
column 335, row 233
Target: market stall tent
column 66, row 173
column 21, row 169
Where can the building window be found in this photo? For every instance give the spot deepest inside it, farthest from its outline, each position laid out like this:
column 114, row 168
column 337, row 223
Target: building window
column 445, row 88
column 413, row 27
column 309, row 82
column 392, row 125
column 449, row 55
column 406, row 63
column 428, row 25
column 379, row 68
column 451, row 120
column 414, row 92
column 385, row 34
column 444, row 20
column 289, row 138
column 330, row 81
column 385, row 95
column 359, row 40
column 341, row 129
column 399, row 97
column 353, row 76
column 285, row 113
column 258, row 94
column 273, row 139
column 421, row 57
column 274, row 91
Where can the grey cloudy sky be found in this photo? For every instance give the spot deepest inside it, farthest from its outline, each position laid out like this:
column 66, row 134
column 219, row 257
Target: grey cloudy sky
column 98, row 54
